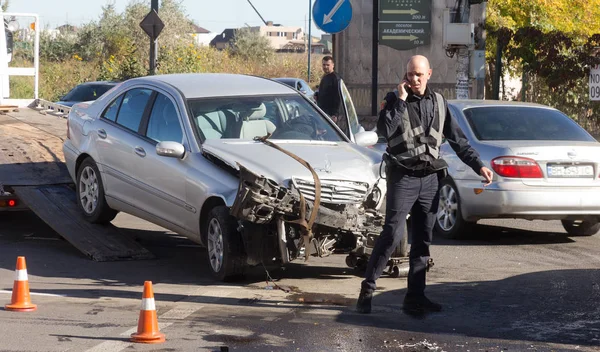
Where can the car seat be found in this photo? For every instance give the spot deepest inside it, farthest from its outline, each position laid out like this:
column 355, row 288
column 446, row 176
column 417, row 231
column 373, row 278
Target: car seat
column 213, row 124
column 256, row 125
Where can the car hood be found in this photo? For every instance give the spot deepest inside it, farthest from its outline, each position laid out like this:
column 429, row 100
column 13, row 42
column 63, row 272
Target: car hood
column 333, row 161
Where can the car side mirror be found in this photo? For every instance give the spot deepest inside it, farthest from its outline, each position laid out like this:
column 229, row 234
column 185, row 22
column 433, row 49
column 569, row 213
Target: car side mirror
column 170, row 149
column 366, row 138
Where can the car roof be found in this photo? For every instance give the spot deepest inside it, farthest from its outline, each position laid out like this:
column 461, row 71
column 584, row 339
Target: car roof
column 200, row 85
column 109, row 83
column 281, row 79
column 473, row 103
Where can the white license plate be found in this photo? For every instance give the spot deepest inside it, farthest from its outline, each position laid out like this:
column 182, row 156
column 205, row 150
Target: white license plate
column 570, row 171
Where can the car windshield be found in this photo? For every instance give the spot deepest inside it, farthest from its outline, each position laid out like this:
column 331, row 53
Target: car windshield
column 523, row 123
column 87, row 92
column 286, row 117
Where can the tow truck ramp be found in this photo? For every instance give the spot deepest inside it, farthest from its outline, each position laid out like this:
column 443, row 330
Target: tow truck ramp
column 55, row 205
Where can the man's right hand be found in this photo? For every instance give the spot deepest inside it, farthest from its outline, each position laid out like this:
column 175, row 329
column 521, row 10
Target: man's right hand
column 403, row 88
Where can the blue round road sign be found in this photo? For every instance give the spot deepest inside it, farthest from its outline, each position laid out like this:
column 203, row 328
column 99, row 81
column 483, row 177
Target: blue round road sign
column 332, row 16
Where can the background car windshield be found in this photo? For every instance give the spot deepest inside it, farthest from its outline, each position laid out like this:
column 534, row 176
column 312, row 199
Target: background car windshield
column 286, row 117
column 523, row 123
column 86, row 92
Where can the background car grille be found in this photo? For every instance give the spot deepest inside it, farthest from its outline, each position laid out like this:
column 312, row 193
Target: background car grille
column 334, row 191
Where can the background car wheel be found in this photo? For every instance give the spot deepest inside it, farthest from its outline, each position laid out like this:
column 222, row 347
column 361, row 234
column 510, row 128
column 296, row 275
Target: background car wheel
column 449, row 221
column 90, row 194
column 226, row 256
column 581, row 228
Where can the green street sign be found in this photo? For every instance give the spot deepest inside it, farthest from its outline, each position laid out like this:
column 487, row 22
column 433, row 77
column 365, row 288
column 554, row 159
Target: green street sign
column 404, row 24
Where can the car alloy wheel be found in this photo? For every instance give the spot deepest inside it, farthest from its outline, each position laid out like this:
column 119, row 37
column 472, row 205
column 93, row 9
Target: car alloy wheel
column 215, row 245
column 448, row 206
column 88, row 190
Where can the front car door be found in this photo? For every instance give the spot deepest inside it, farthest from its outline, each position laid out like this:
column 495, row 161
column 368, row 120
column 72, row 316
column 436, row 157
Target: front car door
column 349, row 121
column 164, row 178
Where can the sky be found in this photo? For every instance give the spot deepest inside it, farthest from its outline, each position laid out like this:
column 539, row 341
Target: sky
column 214, row 15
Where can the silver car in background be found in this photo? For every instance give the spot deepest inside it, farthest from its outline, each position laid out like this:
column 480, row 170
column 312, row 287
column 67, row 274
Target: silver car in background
column 190, row 152
column 546, row 167
column 299, row 84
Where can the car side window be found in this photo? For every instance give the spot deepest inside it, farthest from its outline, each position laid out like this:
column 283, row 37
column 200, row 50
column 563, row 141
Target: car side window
column 132, row 108
column 163, row 124
column 113, row 108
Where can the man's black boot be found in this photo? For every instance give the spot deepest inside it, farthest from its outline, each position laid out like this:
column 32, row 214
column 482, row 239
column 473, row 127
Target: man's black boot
column 417, row 305
column 363, row 305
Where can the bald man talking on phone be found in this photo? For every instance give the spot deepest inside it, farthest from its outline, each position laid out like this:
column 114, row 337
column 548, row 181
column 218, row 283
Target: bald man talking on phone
column 413, row 120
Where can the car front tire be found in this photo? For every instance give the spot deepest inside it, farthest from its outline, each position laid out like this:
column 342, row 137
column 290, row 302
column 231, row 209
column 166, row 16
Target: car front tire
column 90, row 194
column 224, row 243
column 581, row 228
column 449, row 221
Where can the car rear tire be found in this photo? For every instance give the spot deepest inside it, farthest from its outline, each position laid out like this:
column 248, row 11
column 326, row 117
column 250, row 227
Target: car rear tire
column 449, row 222
column 581, row 228
column 90, row 194
column 226, row 258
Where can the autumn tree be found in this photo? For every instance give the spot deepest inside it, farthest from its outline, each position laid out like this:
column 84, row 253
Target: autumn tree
column 550, row 44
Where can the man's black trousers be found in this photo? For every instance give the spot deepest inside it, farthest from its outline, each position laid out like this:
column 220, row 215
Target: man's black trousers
column 419, row 196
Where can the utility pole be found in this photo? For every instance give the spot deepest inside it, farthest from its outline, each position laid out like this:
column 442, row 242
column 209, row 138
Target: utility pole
column 462, row 69
column 309, row 38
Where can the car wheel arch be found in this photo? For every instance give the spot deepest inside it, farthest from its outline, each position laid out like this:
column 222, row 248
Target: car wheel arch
column 80, row 160
column 209, row 204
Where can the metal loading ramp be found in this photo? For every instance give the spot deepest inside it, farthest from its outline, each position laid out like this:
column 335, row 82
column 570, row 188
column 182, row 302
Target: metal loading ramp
column 55, row 205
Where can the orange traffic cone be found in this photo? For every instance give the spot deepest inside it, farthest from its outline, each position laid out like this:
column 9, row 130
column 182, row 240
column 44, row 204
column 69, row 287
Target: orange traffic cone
column 21, row 301
column 147, row 331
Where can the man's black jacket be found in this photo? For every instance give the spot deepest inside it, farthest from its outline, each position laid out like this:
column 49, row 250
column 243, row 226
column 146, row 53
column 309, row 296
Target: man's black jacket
column 423, row 107
column 329, row 99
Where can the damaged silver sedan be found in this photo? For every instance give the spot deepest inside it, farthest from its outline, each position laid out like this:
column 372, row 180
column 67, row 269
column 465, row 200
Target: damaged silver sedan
column 246, row 166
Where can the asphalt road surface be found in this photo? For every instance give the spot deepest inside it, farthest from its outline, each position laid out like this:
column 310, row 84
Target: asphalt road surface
column 514, row 286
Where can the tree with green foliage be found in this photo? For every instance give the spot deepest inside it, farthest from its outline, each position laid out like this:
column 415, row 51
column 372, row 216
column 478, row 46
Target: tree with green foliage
column 251, row 45
column 552, row 44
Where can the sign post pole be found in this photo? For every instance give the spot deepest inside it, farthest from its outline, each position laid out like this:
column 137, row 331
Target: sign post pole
column 152, row 25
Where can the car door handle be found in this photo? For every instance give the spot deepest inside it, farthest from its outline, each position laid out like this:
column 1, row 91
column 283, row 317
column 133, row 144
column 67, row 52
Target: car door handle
column 102, row 133
column 140, row 151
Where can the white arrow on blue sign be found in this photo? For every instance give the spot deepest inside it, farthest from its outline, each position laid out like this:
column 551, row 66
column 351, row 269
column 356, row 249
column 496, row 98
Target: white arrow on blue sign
column 332, row 16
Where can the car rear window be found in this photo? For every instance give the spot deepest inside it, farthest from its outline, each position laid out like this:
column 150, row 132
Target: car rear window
column 523, row 123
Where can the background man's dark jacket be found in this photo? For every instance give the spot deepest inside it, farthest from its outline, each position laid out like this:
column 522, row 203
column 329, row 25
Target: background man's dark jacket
column 329, row 99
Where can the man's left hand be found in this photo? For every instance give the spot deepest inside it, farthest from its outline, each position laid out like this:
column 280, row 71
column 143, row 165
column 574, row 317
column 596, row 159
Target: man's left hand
column 487, row 175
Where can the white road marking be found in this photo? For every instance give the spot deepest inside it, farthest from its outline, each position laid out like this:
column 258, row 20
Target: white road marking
column 183, row 309
column 115, row 346
column 37, row 294
column 179, row 313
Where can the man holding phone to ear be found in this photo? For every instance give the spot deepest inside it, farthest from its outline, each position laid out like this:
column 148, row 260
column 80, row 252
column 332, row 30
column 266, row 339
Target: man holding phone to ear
column 413, row 119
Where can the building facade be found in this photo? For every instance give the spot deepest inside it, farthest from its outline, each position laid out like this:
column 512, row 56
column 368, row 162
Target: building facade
column 353, row 53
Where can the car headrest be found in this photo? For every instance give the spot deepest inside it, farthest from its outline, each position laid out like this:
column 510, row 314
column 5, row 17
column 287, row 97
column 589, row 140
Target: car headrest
column 257, row 113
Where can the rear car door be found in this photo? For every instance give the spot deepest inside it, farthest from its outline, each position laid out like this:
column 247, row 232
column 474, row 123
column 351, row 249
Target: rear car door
column 117, row 136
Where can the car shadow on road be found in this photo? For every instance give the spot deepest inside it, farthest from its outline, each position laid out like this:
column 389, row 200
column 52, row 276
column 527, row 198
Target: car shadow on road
column 490, row 235
column 558, row 306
